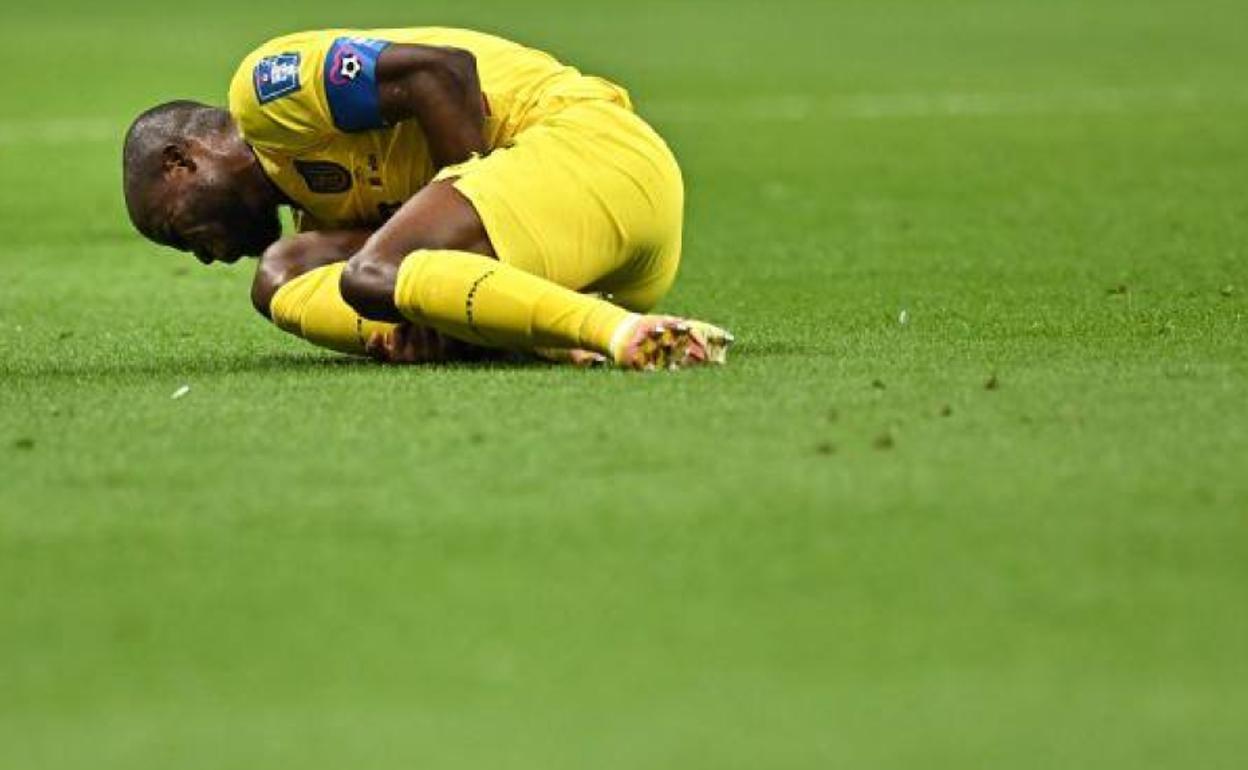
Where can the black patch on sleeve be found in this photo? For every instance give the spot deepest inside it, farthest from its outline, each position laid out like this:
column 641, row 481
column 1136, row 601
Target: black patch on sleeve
column 324, row 177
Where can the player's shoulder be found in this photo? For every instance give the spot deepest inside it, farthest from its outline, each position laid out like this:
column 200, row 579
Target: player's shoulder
column 272, row 93
column 292, row 89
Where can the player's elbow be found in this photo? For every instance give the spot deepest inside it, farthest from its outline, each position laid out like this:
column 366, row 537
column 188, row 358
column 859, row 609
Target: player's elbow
column 442, row 71
column 280, row 263
column 457, row 64
column 298, row 255
column 288, row 258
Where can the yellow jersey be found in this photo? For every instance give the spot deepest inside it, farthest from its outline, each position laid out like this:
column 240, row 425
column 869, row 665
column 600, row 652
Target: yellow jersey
column 307, row 104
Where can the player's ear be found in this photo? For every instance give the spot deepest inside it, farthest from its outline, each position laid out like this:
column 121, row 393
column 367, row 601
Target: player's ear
column 173, row 156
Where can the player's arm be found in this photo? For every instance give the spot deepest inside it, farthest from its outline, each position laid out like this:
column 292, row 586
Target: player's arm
column 440, row 89
column 297, row 255
column 367, row 84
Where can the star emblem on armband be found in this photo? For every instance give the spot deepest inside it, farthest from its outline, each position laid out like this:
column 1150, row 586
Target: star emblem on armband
column 350, row 67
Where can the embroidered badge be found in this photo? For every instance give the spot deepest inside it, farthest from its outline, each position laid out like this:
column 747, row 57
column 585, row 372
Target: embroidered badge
column 323, row 176
column 276, row 76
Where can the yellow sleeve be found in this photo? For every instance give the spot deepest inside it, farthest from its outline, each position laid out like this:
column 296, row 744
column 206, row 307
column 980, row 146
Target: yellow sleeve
column 277, row 95
column 295, row 92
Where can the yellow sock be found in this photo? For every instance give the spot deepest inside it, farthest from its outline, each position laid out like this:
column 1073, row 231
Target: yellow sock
column 310, row 306
column 487, row 302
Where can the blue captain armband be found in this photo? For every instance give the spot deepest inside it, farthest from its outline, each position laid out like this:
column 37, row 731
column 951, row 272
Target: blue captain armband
column 351, row 83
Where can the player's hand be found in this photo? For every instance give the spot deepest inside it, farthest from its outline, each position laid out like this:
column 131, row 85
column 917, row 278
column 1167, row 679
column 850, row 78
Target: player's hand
column 408, row 344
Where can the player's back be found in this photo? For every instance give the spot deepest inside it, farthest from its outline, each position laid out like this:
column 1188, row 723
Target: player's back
column 520, row 83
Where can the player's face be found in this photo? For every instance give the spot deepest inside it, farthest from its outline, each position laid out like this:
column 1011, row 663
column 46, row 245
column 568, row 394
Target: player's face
column 217, row 221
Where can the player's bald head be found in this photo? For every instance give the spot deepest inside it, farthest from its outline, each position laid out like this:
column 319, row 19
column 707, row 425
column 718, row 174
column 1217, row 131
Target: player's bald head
column 154, row 139
column 192, row 183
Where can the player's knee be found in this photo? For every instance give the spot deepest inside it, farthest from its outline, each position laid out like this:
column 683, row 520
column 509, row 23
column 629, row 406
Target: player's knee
column 367, row 285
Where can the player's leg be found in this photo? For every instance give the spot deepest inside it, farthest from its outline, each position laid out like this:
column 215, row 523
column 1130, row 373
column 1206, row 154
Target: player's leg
column 565, row 211
column 484, row 301
column 592, row 198
column 437, row 218
column 433, row 263
column 296, row 287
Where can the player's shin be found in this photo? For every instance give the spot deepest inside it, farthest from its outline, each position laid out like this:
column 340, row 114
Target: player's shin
column 487, row 302
column 310, row 306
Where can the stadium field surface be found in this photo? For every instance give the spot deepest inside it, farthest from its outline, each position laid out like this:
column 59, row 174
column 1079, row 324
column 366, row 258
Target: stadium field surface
column 971, row 492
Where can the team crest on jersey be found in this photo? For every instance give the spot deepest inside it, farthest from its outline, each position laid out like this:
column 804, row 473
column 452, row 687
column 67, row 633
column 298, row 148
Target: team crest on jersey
column 323, row 176
column 276, row 76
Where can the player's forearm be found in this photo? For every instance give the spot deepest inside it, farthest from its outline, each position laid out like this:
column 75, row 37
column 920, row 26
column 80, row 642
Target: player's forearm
column 441, row 90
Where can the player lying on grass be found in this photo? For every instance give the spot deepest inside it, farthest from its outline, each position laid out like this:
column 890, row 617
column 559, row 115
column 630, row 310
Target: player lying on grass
column 447, row 185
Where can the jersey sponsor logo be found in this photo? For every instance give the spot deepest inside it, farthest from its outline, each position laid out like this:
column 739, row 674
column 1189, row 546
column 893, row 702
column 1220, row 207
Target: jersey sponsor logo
column 323, row 176
column 276, row 76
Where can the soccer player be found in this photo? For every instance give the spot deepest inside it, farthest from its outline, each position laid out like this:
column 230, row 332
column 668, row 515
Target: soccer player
column 446, row 185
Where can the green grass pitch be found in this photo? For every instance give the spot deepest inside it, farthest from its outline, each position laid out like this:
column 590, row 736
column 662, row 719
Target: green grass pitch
column 973, row 491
